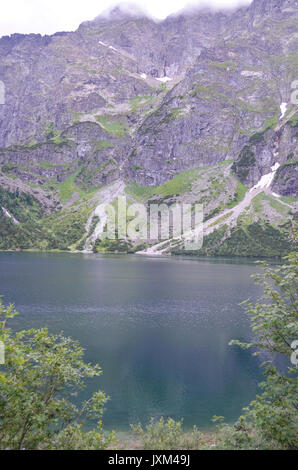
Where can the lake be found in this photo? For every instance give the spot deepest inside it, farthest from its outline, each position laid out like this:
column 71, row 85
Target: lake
column 158, row 326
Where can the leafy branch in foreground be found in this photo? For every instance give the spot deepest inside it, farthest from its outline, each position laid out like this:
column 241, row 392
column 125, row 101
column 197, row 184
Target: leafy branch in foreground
column 274, row 318
column 42, row 372
column 271, row 420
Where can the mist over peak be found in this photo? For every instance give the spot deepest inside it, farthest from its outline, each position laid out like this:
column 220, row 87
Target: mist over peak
column 124, row 10
column 121, row 11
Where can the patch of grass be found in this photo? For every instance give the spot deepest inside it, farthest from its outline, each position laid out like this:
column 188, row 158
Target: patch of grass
column 257, row 203
column 178, row 185
column 289, row 199
column 270, row 122
column 261, row 198
column 176, row 113
column 209, row 92
column 68, row 187
column 77, row 116
column 102, row 144
column 280, row 208
column 221, row 219
column 138, row 102
column 58, row 141
column 140, row 193
column 238, row 196
column 46, row 166
column 293, row 121
column 113, row 127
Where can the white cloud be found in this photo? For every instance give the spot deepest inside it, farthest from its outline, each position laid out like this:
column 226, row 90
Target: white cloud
column 50, row 16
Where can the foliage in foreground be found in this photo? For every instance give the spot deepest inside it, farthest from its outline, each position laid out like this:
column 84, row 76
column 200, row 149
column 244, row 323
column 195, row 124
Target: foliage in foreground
column 167, row 435
column 42, row 372
column 271, row 420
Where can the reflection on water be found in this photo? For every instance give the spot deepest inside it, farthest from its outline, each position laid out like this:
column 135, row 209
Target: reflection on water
column 159, row 328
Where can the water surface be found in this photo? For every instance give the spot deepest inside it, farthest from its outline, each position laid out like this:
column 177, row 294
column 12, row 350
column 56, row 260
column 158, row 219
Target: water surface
column 158, row 327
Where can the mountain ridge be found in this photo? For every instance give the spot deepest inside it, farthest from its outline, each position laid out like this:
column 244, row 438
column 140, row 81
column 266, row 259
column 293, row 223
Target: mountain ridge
column 143, row 102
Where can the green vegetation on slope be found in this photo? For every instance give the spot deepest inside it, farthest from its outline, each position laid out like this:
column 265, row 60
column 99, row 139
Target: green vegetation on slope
column 69, row 187
column 252, row 240
column 21, row 205
column 112, row 126
column 57, row 231
column 27, row 211
column 180, row 184
column 66, row 228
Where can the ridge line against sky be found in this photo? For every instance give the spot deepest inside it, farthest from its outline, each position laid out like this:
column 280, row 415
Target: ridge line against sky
column 51, row 16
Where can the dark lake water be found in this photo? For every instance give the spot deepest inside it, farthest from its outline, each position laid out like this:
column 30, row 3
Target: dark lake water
column 158, row 327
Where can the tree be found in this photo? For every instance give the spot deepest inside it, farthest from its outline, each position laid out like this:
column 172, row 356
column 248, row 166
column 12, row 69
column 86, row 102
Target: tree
column 271, row 420
column 42, row 372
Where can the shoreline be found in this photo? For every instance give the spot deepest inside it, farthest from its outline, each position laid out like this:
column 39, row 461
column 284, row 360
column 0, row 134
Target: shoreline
column 146, row 255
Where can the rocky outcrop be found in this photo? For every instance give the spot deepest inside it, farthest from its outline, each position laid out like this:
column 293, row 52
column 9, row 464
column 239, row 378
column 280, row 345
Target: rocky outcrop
column 286, row 181
column 265, row 149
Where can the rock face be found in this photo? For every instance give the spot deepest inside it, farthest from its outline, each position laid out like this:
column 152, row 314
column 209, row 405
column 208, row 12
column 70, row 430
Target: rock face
column 127, row 98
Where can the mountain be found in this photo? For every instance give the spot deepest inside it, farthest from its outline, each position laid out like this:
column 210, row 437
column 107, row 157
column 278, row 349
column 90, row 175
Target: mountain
column 196, row 108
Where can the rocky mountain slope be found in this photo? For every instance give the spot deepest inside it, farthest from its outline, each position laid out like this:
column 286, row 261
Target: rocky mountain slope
column 196, row 108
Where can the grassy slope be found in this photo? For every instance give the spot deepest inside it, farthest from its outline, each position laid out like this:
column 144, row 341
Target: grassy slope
column 254, row 235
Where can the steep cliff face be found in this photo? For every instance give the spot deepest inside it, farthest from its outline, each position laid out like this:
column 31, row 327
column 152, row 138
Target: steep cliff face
column 125, row 98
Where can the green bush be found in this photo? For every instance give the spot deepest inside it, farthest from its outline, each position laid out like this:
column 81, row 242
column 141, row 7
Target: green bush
column 167, row 435
column 42, row 372
column 271, row 420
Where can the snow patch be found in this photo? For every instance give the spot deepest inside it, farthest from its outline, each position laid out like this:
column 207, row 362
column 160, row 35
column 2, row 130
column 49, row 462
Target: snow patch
column 267, row 179
column 251, row 73
column 283, row 110
column 143, row 75
column 106, row 196
column 7, row 214
column 107, row 45
column 164, row 79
